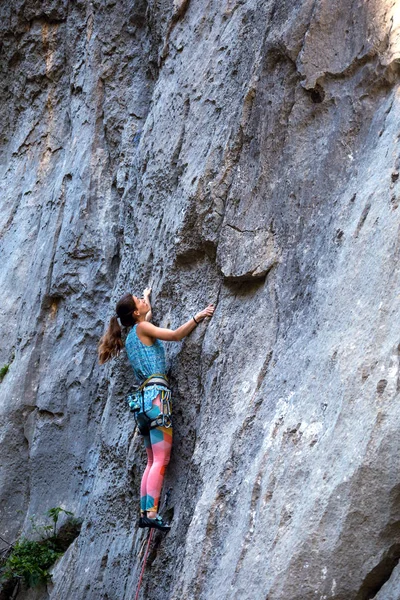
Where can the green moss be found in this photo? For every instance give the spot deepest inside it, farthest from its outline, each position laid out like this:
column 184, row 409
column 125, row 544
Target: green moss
column 3, row 372
column 4, row 368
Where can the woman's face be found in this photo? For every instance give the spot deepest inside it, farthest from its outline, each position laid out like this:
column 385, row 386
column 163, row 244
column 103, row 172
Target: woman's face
column 142, row 307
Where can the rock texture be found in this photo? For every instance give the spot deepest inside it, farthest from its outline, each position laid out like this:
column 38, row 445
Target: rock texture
column 243, row 152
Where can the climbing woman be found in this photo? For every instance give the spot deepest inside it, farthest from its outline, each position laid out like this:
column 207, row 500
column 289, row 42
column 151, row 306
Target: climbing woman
column 151, row 401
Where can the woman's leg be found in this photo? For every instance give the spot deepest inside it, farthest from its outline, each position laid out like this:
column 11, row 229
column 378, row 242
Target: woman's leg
column 143, row 485
column 158, row 444
column 161, row 445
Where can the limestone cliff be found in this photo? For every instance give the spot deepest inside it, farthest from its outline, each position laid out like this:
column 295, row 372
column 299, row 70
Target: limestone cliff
column 242, row 152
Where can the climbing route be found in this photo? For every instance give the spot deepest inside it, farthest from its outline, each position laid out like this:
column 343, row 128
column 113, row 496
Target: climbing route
column 150, row 537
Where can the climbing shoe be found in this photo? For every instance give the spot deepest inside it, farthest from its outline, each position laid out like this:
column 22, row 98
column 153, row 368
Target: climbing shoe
column 156, row 523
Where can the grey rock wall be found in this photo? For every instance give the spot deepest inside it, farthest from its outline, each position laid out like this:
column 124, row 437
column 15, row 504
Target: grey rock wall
column 237, row 152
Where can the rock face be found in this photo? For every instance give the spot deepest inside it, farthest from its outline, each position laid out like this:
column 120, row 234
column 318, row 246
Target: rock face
column 238, row 152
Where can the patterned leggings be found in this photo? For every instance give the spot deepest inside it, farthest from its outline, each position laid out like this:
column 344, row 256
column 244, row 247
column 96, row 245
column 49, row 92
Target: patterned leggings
column 158, row 444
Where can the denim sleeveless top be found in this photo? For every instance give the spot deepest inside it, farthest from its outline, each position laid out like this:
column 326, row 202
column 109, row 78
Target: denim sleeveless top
column 145, row 361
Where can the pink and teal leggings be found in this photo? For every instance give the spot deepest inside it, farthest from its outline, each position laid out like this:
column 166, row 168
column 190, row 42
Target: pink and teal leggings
column 158, row 444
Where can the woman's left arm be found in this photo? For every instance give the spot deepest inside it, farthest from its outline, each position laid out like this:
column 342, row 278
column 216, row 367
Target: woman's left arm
column 146, row 296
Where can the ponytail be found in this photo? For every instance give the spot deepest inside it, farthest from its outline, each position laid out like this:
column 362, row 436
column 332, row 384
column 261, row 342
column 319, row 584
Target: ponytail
column 111, row 344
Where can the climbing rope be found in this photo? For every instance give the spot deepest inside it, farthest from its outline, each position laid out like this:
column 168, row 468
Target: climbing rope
column 165, row 504
column 144, row 563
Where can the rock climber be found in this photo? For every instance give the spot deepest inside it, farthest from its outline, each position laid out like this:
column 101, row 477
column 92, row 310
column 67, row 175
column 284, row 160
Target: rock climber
column 151, row 402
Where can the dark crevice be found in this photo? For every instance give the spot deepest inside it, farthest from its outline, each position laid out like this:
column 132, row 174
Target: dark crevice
column 317, row 94
column 380, row 574
column 363, row 218
column 115, row 262
column 251, row 278
column 244, row 230
column 190, row 256
column 261, row 376
column 244, row 287
column 48, row 414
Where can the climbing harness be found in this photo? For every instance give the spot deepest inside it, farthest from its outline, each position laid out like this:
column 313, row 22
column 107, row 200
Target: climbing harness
column 136, row 403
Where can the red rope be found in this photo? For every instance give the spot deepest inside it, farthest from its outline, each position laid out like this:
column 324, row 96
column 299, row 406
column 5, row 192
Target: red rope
column 144, row 564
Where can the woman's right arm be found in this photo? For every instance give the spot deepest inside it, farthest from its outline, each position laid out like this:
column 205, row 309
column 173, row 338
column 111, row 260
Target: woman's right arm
column 148, row 330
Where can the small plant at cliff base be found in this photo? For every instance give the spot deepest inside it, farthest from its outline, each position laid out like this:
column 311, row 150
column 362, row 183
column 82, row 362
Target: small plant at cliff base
column 3, row 372
column 4, row 368
column 30, row 560
column 54, row 513
column 47, row 531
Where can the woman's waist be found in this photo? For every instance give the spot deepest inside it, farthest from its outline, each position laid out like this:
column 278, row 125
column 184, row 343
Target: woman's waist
column 155, row 379
column 143, row 397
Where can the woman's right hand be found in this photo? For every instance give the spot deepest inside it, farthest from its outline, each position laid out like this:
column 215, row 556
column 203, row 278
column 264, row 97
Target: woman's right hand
column 207, row 312
column 146, row 292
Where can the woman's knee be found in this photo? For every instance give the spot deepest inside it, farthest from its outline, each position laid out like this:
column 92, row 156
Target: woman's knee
column 162, row 457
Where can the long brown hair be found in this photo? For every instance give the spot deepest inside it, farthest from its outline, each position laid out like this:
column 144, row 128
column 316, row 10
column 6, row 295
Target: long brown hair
column 110, row 345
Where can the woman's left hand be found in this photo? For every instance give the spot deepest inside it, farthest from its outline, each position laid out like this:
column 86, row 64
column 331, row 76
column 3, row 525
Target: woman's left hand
column 207, row 312
column 147, row 292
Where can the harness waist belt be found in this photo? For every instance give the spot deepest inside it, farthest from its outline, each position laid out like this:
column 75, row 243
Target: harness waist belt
column 156, row 381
